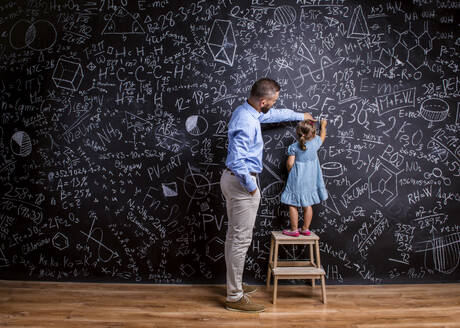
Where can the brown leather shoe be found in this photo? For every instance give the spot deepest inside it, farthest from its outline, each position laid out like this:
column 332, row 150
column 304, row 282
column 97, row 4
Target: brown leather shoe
column 248, row 290
column 244, row 305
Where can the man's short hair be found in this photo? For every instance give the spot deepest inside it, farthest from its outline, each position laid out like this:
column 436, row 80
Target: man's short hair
column 265, row 88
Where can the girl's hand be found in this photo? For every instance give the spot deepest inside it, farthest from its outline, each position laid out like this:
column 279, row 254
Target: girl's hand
column 322, row 134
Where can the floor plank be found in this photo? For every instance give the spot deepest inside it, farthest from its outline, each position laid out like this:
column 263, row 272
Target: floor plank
column 82, row 305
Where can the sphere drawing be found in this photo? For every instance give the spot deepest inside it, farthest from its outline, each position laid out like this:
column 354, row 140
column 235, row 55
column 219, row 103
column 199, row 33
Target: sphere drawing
column 21, row 144
column 285, row 15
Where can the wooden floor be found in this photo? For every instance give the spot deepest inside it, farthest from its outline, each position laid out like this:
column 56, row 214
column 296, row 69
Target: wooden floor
column 84, row 305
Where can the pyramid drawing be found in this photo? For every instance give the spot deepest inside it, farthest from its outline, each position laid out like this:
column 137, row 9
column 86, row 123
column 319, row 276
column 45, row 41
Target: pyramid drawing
column 358, row 26
column 222, row 42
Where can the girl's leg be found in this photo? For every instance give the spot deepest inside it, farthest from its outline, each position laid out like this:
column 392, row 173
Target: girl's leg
column 307, row 216
column 294, row 217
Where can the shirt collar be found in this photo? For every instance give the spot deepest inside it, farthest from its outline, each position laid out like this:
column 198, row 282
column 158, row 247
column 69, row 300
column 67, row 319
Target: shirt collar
column 252, row 110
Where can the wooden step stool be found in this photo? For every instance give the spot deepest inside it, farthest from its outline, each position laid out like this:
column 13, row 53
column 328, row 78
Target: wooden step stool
column 310, row 269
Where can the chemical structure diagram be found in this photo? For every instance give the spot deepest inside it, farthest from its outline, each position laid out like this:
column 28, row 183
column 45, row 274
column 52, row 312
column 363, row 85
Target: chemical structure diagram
column 413, row 48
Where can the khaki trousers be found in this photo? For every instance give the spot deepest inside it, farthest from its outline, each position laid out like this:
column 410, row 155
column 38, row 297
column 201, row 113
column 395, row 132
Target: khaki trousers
column 241, row 211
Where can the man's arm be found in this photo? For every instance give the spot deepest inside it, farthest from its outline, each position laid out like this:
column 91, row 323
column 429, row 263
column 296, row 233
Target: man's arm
column 283, row 115
column 238, row 149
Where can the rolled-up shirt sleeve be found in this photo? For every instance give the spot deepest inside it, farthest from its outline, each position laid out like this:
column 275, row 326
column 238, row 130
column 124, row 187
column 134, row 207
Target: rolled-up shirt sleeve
column 240, row 149
column 280, row 115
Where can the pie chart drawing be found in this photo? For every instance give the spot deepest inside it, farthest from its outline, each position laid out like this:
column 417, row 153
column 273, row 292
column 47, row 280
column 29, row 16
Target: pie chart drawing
column 196, row 125
column 21, row 144
column 196, row 186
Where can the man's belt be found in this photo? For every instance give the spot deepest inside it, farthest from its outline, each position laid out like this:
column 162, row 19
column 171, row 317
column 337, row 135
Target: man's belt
column 254, row 174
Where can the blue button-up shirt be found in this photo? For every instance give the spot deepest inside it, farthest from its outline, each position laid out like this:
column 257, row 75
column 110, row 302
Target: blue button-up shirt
column 245, row 143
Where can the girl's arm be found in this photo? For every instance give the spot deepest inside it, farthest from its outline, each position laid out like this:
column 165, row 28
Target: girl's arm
column 290, row 162
column 322, row 134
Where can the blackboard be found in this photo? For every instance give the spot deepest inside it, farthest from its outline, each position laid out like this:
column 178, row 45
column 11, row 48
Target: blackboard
column 114, row 132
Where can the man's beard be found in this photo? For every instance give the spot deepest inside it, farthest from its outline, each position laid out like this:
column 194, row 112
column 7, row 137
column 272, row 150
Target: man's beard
column 265, row 109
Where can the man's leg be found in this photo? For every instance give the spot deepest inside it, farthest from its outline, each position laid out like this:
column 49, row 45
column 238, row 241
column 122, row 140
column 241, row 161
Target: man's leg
column 242, row 211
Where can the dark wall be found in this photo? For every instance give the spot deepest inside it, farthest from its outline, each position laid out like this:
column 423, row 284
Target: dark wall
column 113, row 135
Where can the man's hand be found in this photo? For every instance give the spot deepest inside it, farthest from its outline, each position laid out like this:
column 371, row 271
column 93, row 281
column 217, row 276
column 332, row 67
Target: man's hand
column 253, row 192
column 307, row 116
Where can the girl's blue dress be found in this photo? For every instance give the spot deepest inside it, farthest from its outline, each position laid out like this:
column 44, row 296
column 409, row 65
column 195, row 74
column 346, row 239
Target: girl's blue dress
column 305, row 185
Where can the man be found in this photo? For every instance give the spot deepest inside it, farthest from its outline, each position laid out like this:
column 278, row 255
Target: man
column 239, row 182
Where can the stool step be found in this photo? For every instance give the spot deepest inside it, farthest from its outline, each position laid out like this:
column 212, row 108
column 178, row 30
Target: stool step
column 297, row 271
column 278, row 235
column 287, row 263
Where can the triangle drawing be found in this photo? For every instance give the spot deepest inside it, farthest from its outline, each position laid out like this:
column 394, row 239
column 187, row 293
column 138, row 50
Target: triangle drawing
column 305, row 53
column 169, row 189
column 122, row 22
column 330, row 205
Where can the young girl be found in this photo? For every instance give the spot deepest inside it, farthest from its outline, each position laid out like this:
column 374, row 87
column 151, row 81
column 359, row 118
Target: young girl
column 305, row 185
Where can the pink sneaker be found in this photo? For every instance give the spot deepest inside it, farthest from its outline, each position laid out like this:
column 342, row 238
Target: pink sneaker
column 291, row 233
column 305, row 232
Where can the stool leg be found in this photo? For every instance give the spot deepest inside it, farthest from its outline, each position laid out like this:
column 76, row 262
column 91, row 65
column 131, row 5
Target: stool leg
column 275, row 289
column 313, row 283
column 312, row 257
column 318, row 260
column 270, row 263
column 275, row 256
column 323, row 289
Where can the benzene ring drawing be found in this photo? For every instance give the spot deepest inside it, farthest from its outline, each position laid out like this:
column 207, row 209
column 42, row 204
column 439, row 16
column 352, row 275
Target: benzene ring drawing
column 215, row 249
column 383, row 185
column 60, row 241
column 222, row 42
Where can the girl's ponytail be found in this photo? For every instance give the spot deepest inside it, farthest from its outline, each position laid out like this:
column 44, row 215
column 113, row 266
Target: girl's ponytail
column 302, row 140
column 305, row 131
